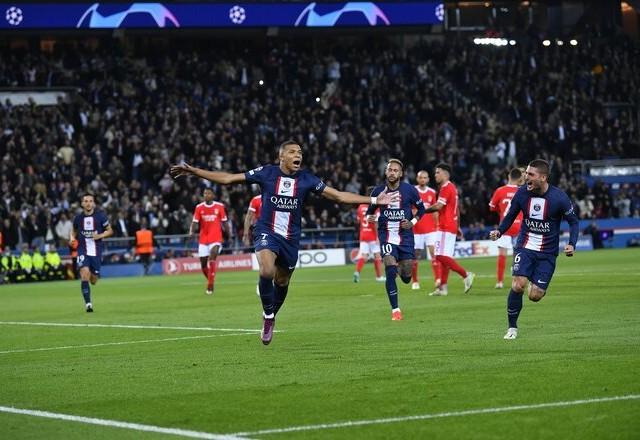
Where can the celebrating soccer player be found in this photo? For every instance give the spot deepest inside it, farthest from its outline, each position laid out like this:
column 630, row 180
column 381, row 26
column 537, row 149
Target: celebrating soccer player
column 424, row 232
column 209, row 215
column 500, row 202
column 543, row 207
column 448, row 227
column 89, row 228
column 277, row 233
column 394, row 230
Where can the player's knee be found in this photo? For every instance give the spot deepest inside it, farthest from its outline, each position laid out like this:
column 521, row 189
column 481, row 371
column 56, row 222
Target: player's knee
column 405, row 272
column 518, row 285
column 536, row 293
column 281, row 280
column 266, row 272
column 391, row 271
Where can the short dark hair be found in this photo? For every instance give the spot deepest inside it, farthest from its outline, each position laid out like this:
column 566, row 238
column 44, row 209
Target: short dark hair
column 444, row 166
column 398, row 161
column 515, row 174
column 207, row 188
column 541, row 165
column 287, row 142
column 88, row 194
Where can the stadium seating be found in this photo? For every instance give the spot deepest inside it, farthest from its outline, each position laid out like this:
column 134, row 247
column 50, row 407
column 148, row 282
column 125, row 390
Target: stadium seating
column 226, row 107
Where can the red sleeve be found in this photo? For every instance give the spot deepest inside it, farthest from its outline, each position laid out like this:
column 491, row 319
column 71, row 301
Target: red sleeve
column 495, row 201
column 197, row 214
column 253, row 205
column 223, row 213
column 445, row 195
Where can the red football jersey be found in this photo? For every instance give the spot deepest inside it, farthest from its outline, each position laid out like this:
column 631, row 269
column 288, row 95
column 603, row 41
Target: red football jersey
column 255, row 206
column 428, row 222
column 367, row 229
column 501, row 201
column 448, row 219
column 210, row 218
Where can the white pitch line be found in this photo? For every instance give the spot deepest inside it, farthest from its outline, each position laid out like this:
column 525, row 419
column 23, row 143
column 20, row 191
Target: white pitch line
column 146, row 341
column 470, row 412
column 155, row 327
column 119, row 424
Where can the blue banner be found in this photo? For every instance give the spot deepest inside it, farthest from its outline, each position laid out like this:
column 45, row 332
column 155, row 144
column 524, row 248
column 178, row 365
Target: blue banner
column 220, row 15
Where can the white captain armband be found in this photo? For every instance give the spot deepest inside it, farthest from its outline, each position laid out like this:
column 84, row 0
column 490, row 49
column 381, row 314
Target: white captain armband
column 374, row 200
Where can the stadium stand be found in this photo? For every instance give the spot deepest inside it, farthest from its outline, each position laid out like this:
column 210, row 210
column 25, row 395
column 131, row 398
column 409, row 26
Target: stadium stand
column 215, row 105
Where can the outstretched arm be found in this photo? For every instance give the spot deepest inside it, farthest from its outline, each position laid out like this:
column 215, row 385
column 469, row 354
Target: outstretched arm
column 356, row 199
column 221, row 177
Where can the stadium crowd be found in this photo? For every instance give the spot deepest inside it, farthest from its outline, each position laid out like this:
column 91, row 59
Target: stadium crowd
column 481, row 109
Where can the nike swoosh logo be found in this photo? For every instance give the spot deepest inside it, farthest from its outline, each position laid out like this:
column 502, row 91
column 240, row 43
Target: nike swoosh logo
column 542, row 282
column 291, row 267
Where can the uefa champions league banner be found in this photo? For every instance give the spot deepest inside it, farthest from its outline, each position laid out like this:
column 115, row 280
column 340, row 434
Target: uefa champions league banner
column 219, row 15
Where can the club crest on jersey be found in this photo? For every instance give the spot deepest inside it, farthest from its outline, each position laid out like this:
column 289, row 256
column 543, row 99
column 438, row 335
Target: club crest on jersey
column 286, row 186
column 88, row 223
column 537, row 207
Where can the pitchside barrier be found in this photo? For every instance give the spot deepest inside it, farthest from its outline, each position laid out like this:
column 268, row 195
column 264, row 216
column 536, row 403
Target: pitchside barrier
column 176, row 254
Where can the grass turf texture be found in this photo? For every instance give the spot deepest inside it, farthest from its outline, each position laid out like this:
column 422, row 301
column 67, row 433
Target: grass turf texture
column 337, row 356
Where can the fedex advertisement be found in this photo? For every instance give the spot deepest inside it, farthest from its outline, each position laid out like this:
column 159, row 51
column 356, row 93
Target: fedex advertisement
column 107, row 15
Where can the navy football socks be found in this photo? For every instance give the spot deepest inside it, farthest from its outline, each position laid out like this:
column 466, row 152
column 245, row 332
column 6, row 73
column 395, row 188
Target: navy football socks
column 514, row 306
column 267, row 295
column 86, row 291
column 392, row 288
column 280, row 293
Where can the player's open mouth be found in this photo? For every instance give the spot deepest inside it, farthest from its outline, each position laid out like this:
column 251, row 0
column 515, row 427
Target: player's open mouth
column 297, row 162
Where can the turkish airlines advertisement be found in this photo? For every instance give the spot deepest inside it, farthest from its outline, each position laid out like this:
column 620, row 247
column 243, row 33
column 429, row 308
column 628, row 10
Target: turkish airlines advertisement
column 226, row 263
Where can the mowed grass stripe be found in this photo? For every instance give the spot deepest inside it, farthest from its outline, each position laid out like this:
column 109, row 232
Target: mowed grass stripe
column 470, row 412
column 153, row 327
column 107, row 344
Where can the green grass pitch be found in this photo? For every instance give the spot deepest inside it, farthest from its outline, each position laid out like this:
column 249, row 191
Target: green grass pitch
column 336, row 358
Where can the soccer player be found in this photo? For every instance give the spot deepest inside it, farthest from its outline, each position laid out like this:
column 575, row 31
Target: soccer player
column 500, row 202
column 369, row 244
column 277, row 233
column 90, row 227
column 448, row 227
column 250, row 218
column 394, row 230
column 209, row 215
column 543, row 207
column 424, row 232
